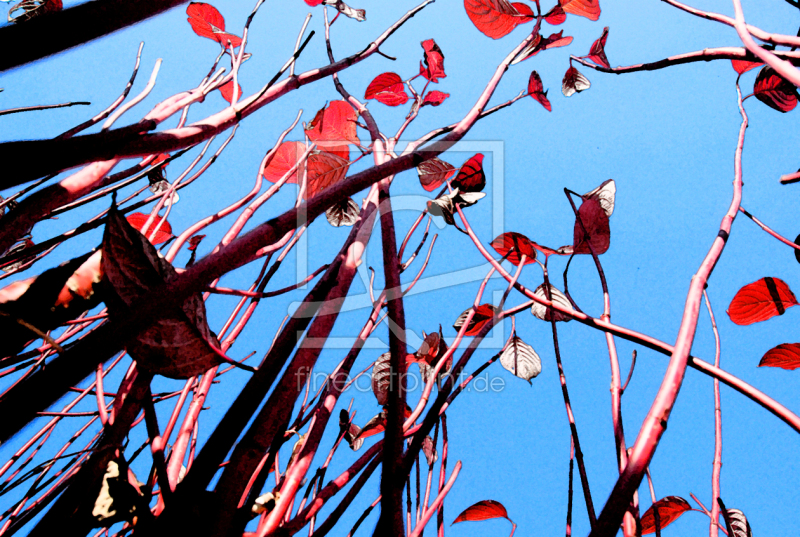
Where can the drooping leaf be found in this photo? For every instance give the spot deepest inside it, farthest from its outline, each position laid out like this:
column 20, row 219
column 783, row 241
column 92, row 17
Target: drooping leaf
column 742, row 66
column 585, row 8
column 517, row 244
column 470, row 177
column 497, row 18
column 177, row 344
column 195, row 241
column 738, row 524
column 539, row 44
column 324, row 169
column 434, row 172
column 536, row 90
column 605, row 194
column 381, row 377
column 286, row 156
column 483, row 314
column 388, row 89
column 597, row 53
column 555, row 16
column 593, row 224
column 434, row 98
column 429, row 354
column 434, row 61
column 351, row 431
column 785, row 356
column 429, row 449
column 761, row 300
column 669, row 508
column 207, row 21
column 358, row 14
column 574, row 82
column 540, row 311
column 334, row 125
column 443, row 206
column 374, row 426
column 520, row 359
column 314, row 3
column 775, row 91
column 227, row 91
column 483, row 510
column 138, row 220
column 344, row 213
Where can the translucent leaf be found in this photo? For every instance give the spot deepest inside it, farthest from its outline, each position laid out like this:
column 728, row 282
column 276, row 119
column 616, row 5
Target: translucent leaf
column 334, row 125
column 496, row 18
column 597, row 53
column 483, row 510
column 761, row 300
column 324, row 169
column 775, row 91
column 434, row 172
column 585, row 8
column 227, row 91
column 540, row 311
column 344, row 213
column 574, row 82
column 605, row 194
column 520, row 359
column 669, row 509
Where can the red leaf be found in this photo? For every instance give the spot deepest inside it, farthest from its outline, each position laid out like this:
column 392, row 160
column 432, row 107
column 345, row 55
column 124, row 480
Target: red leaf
column 496, row 18
column 207, row 21
column 516, row 243
column 194, row 242
column 227, row 91
column 598, row 53
column 434, row 61
column 388, row 89
column 137, row 220
column 669, row 508
column 785, row 356
column 775, row 91
column 554, row 41
column 761, row 300
column 483, row 314
column 595, row 222
column 471, row 177
column 483, row 510
column 536, row 90
column 434, row 98
column 324, row 170
column 585, row 8
column 555, row 16
column 434, row 172
column 574, row 82
column 742, row 66
column 334, row 125
column 313, row 3
column 285, row 157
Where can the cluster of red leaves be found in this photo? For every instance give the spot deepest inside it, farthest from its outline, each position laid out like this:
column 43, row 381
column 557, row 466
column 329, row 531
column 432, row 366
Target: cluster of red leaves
column 207, row 21
column 498, row 18
column 388, row 88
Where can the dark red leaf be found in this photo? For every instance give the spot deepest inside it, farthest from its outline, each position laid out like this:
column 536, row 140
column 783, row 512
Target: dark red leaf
column 742, row 66
column 496, row 18
column 137, row 220
column 775, row 91
column 194, row 242
column 669, row 508
column 470, row 177
column 555, row 16
column 574, row 82
column 434, row 172
column 785, row 356
column 483, row 510
column 207, row 21
column 761, row 300
column 434, row 61
column 334, row 125
column 536, row 90
column 483, row 314
column 516, row 243
column 595, row 222
column 597, row 53
column 388, row 89
column 434, row 98
column 227, row 91
column 585, row 8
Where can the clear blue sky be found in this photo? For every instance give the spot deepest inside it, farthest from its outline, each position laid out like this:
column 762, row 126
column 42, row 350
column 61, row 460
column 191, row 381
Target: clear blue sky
column 666, row 137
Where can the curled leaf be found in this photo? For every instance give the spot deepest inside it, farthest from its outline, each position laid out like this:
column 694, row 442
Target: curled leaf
column 574, row 82
column 597, row 53
column 483, row 510
column 775, row 91
column 761, row 300
column 605, row 194
column 520, row 359
column 470, row 177
column 669, row 509
column 358, row 14
column 483, row 314
column 536, row 90
column 434, row 61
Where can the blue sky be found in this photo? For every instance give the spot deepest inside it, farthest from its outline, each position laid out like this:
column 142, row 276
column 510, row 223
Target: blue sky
column 666, row 137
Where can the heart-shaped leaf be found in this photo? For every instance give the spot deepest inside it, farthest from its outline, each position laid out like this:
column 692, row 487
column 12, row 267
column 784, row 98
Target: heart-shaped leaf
column 536, row 90
column 496, row 18
column 324, row 169
column 206, row 21
column 434, row 98
column 470, row 177
column 520, row 359
column 227, row 91
column 785, row 356
column 761, row 300
column 334, row 125
column 669, row 508
column 388, row 89
column 597, row 53
column 775, row 91
column 514, row 246
column 434, row 172
column 574, row 82
column 592, row 223
column 540, row 311
column 483, row 510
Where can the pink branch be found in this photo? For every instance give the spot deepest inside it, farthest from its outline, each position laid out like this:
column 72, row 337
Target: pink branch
column 717, row 465
column 437, row 503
